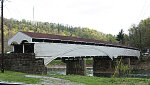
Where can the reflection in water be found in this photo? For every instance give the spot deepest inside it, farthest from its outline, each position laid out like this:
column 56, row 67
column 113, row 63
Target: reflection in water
column 89, row 72
column 56, row 71
column 140, row 74
column 62, row 71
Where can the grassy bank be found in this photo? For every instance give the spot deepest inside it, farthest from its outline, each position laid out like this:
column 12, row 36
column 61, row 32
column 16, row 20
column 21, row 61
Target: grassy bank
column 105, row 81
column 11, row 76
column 57, row 62
column 19, row 77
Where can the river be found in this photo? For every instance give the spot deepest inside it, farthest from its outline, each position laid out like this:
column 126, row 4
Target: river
column 62, row 71
column 89, row 72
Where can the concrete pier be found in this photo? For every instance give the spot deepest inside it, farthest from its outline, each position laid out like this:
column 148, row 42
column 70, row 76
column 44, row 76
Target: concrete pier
column 102, row 66
column 75, row 67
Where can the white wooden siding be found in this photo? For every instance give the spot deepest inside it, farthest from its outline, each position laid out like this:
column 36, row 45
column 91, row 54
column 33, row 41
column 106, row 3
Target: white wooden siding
column 54, row 50
column 19, row 37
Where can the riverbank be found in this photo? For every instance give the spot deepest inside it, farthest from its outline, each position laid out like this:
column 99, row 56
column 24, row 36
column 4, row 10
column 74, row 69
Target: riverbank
column 64, row 66
column 24, row 78
column 18, row 78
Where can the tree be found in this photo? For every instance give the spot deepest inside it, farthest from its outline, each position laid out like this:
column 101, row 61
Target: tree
column 139, row 35
column 120, row 37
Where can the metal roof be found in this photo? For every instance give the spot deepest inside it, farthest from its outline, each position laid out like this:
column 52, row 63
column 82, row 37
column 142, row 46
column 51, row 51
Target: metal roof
column 68, row 38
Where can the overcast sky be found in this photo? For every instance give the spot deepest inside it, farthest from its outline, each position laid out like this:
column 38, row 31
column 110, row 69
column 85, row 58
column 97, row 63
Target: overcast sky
column 107, row 16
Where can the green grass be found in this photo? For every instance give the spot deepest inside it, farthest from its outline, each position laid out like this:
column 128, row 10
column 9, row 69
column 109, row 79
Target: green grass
column 56, row 62
column 12, row 76
column 89, row 62
column 19, row 77
column 105, row 81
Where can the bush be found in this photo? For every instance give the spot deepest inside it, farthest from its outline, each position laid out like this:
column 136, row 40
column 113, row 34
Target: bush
column 124, row 70
column 144, row 57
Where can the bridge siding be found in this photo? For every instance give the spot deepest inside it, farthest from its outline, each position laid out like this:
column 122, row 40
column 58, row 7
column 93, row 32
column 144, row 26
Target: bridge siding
column 73, row 50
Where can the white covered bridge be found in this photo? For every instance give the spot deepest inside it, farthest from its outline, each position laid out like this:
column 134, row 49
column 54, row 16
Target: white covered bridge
column 50, row 47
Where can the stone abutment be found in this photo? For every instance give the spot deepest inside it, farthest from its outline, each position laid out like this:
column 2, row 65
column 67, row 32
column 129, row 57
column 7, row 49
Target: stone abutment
column 24, row 62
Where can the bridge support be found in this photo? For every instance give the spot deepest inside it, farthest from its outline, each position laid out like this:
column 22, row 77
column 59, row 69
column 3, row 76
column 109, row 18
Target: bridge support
column 75, row 67
column 126, row 61
column 134, row 60
column 102, row 66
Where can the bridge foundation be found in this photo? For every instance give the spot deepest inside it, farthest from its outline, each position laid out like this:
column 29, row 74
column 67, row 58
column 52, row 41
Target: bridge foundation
column 126, row 61
column 102, row 66
column 134, row 61
column 75, row 67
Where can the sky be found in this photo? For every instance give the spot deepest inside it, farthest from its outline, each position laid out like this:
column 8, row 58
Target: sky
column 107, row 16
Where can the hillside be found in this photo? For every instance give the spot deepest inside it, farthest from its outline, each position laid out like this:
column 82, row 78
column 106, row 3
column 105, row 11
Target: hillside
column 12, row 26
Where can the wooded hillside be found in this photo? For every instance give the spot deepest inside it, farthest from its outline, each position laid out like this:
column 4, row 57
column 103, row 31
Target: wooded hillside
column 139, row 35
column 12, row 26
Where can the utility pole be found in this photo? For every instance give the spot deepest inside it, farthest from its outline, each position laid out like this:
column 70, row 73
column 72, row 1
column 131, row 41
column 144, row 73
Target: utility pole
column 141, row 48
column 2, row 39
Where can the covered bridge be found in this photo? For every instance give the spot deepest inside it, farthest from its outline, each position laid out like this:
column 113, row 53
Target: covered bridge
column 72, row 50
column 50, row 47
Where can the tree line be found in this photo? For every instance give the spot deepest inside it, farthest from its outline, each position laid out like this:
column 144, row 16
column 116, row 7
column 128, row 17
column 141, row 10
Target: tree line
column 12, row 26
column 139, row 35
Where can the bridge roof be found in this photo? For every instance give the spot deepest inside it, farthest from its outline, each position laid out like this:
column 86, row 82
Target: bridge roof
column 75, row 39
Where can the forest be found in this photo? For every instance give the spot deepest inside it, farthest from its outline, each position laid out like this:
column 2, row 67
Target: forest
column 138, row 34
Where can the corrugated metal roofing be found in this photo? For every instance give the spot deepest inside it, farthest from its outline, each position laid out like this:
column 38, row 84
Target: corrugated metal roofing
column 52, row 36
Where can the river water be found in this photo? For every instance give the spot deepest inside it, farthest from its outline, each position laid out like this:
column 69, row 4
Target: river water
column 62, row 71
column 140, row 74
column 89, row 72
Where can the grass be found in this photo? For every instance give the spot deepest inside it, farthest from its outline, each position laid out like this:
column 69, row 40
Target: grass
column 12, row 76
column 105, row 81
column 89, row 61
column 57, row 62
